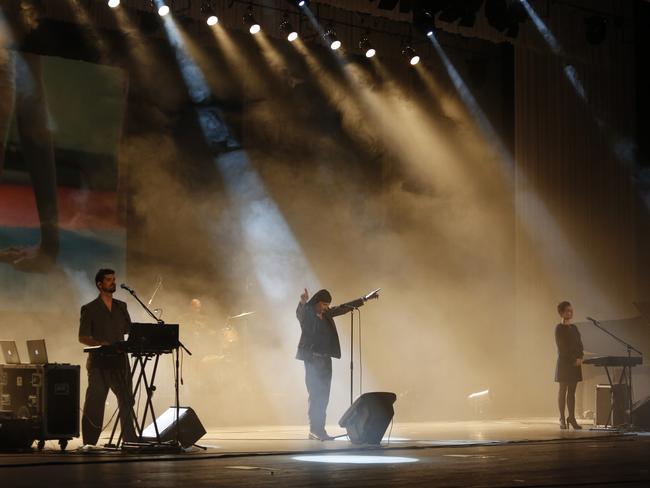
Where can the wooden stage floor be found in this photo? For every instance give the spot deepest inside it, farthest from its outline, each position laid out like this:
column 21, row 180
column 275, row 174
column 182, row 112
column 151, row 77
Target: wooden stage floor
column 522, row 452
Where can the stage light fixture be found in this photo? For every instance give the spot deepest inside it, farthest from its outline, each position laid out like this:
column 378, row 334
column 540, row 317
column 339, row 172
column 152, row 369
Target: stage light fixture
column 287, row 29
column 332, row 40
column 367, row 48
column 410, row 54
column 208, row 10
column 163, row 10
column 480, row 401
column 424, row 20
column 113, row 3
column 250, row 22
column 478, row 394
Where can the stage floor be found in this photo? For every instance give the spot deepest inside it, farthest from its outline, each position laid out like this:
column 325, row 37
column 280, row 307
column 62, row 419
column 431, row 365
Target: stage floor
column 522, row 452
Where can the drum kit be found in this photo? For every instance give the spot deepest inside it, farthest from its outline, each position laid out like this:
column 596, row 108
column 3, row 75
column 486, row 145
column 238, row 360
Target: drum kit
column 227, row 340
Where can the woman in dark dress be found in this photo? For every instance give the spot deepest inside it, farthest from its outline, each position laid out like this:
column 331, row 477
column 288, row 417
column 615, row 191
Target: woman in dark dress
column 569, row 364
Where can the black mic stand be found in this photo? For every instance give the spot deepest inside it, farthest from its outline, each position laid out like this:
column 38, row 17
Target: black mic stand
column 352, row 309
column 177, row 366
column 352, row 306
column 158, row 321
column 627, row 370
column 132, row 292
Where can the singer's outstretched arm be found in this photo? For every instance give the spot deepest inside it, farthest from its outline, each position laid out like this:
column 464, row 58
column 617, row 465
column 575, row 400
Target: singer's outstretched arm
column 345, row 307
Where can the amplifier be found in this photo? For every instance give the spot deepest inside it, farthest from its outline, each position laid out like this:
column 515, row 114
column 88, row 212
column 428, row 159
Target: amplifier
column 611, row 405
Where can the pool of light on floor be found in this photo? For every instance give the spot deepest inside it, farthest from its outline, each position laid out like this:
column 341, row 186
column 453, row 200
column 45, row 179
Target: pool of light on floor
column 354, row 459
column 385, row 439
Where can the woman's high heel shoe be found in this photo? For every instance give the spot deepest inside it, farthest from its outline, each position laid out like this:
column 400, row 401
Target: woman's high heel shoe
column 563, row 425
column 573, row 423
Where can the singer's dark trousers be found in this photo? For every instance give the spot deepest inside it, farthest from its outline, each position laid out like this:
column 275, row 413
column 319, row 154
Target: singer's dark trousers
column 100, row 380
column 318, row 378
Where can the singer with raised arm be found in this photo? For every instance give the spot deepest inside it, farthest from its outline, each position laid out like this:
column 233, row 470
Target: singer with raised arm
column 103, row 322
column 319, row 343
column 568, row 371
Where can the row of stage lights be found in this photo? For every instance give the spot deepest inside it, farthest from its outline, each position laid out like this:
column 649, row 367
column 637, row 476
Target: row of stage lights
column 287, row 29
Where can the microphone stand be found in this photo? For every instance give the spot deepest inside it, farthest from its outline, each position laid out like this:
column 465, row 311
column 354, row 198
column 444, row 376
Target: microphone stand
column 352, row 306
column 158, row 321
column 627, row 370
column 132, row 292
column 177, row 363
column 352, row 309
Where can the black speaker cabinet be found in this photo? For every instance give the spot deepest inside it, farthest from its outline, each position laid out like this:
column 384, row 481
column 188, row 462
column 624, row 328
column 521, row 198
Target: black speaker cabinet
column 368, row 418
column 60, row 401
column 20, row 390
column 611, row 404
column 189, row 426
column 641, row 413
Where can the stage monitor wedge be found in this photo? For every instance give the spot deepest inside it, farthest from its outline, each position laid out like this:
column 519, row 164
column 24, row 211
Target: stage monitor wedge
column 190, row 428
column 368, row 418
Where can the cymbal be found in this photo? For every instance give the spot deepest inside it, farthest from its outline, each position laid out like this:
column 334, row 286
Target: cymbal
column 243, row 314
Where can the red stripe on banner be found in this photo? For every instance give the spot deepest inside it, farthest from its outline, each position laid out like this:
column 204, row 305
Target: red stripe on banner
column 78, row 209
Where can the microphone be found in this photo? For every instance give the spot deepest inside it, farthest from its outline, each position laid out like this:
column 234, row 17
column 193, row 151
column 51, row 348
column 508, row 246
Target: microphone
column 124, row 286
column 593, row 320
column 372, row 294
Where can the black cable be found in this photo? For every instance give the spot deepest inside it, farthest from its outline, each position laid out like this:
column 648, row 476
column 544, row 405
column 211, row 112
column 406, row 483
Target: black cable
column 83, row 414
column 390, row 432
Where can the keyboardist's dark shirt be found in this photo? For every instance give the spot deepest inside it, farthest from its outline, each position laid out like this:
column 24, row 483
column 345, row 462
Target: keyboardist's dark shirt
column 105, row 326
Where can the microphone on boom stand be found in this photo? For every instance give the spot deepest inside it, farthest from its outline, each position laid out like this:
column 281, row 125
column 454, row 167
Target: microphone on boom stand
column 124, row 286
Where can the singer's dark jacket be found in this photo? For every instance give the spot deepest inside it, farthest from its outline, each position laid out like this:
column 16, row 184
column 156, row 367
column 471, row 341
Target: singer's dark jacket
column 106, row 326
column 319, row 336
column 569, row 348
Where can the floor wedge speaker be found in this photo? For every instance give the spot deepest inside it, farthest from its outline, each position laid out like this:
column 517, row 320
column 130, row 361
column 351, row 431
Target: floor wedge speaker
column 189, row 426
column 368, row 418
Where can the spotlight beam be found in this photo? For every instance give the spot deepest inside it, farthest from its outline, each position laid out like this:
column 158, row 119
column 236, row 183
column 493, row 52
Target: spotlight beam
column 555, row 246
column 279, row 262
column 619, row 147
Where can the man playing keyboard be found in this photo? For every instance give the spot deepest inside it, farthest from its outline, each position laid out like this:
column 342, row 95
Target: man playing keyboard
column 104, row 321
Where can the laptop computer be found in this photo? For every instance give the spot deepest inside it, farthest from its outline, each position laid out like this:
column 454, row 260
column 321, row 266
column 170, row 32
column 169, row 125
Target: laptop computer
column 37, row 351
column 10, row 352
